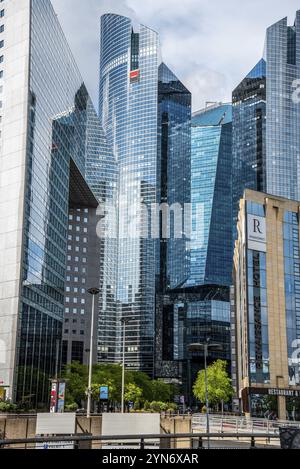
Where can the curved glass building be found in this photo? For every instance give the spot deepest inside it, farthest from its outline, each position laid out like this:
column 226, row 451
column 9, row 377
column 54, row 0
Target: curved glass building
column 145, row 112
column 51, row 143
column 128, row 111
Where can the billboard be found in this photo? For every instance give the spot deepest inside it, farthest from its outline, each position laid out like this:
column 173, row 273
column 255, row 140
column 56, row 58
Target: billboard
column 61, row 397
column 53, row 397
column 104, row 393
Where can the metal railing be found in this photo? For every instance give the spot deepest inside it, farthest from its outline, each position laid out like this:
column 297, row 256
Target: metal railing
column 240, row 425
column 163, row 441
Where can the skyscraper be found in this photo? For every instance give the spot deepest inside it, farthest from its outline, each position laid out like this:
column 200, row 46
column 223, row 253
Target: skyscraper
column 249, row 134
column 199, row 307
column 266, row 119
column 174, row 176
column 211, row 189
column 49, row 131
column 145, row 112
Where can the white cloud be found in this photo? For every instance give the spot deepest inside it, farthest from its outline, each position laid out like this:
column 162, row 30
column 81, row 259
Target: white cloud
column 209, row 44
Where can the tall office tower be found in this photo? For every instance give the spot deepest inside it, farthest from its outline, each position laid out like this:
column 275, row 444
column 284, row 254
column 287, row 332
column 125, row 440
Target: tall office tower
column 145, row 113
column 174, row 178
column 249, row 108
column 266, row 119
column 211, row 180
column 200, row 308
column 49, row 132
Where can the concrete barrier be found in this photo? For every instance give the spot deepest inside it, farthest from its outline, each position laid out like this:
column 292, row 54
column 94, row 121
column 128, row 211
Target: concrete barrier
column 177, row 425
column 21, row 427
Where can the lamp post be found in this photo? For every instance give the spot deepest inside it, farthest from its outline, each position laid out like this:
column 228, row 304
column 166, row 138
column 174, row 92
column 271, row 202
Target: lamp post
column 94, row 292
column 195, row 348
column 124, row 322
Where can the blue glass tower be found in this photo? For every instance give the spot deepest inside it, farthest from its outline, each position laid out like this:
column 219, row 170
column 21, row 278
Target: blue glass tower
column 282, row 53
column 128, row 111
column 211, row 195
column 174, row 175
column 145, row 112
column 266, row 141
column 199, row 308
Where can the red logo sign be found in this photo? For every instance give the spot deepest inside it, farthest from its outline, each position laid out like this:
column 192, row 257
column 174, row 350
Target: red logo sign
column 134, row 75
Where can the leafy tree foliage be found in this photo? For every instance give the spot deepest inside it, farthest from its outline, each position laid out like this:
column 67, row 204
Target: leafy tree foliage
column 219, row 384
column 139, row 387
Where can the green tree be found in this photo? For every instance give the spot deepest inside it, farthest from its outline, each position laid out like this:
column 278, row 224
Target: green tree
column 96, row 389
column 76, row 376
column 220, row 389
column 133, row 394
column 162, row 391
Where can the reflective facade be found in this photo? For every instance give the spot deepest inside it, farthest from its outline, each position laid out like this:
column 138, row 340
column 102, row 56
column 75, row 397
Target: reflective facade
column 249, row 109
column 292, row 291
column 174, row 176
column 58, row 123
column 266, row 119
column 199, row 307
column 145, row 112
column 211, row 196
column 128, row 111
column 189, row 316
column 283, row 114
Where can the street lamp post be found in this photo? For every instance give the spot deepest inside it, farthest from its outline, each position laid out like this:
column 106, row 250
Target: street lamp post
column 94, row 292
column 206, row 390
column 124, row 322
column 196, row 347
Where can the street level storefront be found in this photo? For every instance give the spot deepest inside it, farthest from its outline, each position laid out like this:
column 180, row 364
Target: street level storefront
column 263, row 402
column 267, row 306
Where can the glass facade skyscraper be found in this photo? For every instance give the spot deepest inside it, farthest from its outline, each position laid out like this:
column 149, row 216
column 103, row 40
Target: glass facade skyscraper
column 128, row 112
column 266, row 140
column 174, row 176
column 211, row 196
column 145, row 112
column 249, row 134
column 49, row 126
column 199, row 308
column 283, row 113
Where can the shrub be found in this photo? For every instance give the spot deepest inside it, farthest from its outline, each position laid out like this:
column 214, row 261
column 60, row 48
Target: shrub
column 7, row 407
column 157, row 406
column 172, row 407
column 71, row 407
column 146, row 405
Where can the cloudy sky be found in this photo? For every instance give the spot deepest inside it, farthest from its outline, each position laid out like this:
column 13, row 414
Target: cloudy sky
column 209, row 44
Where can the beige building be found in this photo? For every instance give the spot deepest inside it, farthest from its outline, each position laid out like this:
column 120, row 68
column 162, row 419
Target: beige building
column 267, row 306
